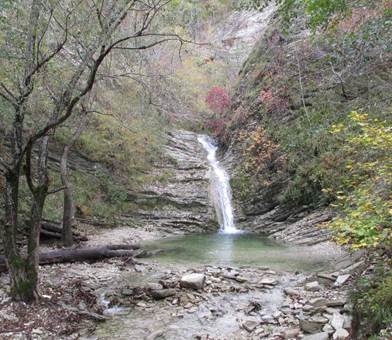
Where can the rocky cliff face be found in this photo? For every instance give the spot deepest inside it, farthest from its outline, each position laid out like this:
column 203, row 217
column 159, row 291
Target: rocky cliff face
column 291, row 90
column 180, row 202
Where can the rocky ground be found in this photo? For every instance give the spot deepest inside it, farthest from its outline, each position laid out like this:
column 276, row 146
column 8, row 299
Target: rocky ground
column 211, row 302
column 120, row 299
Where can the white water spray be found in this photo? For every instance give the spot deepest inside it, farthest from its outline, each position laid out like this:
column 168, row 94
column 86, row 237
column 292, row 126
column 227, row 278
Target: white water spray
column 220, row 188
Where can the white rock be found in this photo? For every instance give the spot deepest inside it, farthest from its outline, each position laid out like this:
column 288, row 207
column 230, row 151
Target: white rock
column 341, row 280
column 341, row 334
column 337, row 321
column 193, row 281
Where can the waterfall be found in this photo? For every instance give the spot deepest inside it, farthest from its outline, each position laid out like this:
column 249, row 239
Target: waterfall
column 220, row 188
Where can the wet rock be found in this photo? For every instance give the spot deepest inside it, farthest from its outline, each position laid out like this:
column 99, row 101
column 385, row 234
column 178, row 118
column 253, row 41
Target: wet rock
column 291, row 292
column 341, row 280
column 341, row 334
column 291, row 333
column 313, row 324
column 317, row 336
column 337, row 321
column 313, row 286
column 193, row 281
column 160, row 294
column 250, row 325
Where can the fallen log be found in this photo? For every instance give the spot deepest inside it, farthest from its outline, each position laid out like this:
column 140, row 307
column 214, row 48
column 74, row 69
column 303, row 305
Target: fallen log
column 83, row 254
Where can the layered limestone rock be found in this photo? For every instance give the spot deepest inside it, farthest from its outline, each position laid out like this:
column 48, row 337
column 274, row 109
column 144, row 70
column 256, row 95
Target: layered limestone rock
column 180, row 202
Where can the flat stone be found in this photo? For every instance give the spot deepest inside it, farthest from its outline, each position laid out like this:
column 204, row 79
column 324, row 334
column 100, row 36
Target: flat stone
column 291, row 333
column 341, row 334
column 337, row 321
column 318, row 302
column 193, row 281
column 291, row 292
column 313, row 324
column 313, row 286
column 160, row 294
column 270, row 281
column 250, row 325
column 317, row 336
column 341, row 280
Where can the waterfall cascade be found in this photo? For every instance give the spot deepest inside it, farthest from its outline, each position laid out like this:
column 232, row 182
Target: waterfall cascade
column 220, row 188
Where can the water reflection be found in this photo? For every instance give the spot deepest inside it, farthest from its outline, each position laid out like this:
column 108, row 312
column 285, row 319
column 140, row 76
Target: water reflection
column 239, row 249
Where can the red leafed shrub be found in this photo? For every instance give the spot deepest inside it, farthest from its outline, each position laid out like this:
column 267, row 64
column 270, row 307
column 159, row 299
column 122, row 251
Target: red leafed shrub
column 218, row 100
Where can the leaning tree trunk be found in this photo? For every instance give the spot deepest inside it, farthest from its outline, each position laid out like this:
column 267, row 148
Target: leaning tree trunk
column 69, row 206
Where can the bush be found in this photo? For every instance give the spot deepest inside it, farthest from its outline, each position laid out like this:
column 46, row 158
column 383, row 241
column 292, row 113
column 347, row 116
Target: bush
column 373, row 305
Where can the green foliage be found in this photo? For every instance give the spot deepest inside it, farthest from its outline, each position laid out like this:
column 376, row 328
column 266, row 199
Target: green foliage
column 320, row 11
column 366, row 197
column 373, row 304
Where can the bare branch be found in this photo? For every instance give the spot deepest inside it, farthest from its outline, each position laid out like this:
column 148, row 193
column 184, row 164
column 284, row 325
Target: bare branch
column 54, row 191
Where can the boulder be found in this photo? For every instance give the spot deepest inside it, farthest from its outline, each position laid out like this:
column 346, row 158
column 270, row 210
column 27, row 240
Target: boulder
column 194, row 281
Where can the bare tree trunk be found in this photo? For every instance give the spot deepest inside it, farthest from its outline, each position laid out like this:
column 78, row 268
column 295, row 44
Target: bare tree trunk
column 69, row 206
column 15, row 262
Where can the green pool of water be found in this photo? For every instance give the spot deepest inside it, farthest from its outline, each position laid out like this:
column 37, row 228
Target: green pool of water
column 240, row 249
